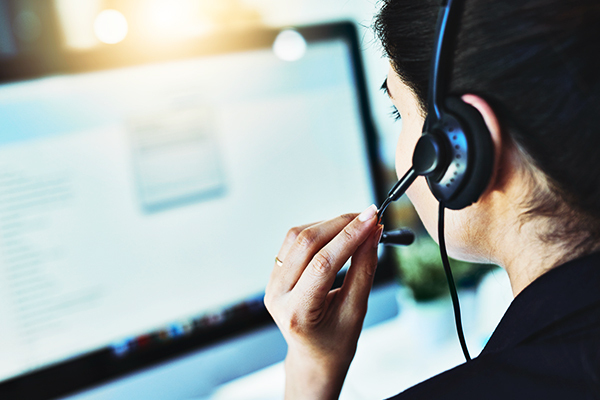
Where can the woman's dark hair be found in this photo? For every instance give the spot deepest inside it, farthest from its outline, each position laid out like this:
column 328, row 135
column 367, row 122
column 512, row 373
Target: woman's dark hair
column 537, row 63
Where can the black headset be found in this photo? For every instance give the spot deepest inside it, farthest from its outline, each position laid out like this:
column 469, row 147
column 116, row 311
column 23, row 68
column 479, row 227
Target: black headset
column 455, row 152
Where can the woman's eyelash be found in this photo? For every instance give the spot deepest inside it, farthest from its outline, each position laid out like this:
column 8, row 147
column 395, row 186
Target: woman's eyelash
column 395, row 114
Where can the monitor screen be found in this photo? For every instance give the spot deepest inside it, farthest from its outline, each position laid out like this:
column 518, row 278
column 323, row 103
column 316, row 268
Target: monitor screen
column 142, row 203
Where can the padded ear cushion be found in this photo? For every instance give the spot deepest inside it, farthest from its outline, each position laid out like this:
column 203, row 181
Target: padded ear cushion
column 481, row 155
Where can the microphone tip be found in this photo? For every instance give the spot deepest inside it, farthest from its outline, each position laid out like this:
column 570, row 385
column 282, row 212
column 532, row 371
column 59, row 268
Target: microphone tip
column 400, row 237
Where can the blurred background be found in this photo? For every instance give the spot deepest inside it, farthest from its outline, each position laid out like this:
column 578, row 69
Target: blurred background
column 419, row 339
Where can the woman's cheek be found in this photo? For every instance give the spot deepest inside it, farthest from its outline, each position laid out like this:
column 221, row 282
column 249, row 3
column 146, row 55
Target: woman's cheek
column 418, row 193
column 403, row 159
column 407, row 141
column 425, row 204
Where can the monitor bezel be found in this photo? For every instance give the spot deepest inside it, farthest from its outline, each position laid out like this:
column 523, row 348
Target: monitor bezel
column 102, row 366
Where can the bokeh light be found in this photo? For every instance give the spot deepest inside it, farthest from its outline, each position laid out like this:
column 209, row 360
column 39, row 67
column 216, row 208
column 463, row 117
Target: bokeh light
column 289, row 45
column 110, row 26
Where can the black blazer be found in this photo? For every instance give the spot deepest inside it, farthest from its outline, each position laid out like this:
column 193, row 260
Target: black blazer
column 547, row 345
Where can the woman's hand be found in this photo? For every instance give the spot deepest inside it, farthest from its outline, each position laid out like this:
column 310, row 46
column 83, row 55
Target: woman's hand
column 320, row 325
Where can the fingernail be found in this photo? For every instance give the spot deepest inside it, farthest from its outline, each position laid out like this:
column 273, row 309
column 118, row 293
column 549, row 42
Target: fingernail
column 378, row 236
column 368, row 213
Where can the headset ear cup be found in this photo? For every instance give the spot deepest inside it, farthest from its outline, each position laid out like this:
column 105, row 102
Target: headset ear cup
column 481, row 156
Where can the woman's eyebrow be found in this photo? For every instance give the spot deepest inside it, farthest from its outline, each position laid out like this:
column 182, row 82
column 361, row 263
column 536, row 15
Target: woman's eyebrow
column 385, row 89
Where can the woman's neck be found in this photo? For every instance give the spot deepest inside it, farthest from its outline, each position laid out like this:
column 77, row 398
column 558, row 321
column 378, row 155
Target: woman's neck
column 518, row 247
column 526, row 258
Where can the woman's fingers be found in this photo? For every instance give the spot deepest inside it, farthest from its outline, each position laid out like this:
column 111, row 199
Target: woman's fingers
column 316, row 280
column 279, row 270
column 359, row 278
column 291, row 237
column 319, row 325
column 307, row 243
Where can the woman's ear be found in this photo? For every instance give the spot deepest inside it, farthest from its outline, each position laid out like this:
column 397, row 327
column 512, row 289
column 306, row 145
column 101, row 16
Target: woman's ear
column 490, row 119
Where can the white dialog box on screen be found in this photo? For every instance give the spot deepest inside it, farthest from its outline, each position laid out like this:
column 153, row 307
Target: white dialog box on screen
column 176, row 157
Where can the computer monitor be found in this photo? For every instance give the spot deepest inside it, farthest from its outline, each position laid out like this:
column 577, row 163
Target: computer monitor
column 143, row 196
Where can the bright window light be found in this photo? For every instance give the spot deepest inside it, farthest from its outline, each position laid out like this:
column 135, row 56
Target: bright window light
column 110, row 26
column 170, row 19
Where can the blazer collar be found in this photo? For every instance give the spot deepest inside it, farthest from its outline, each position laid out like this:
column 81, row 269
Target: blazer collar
column 553, row 296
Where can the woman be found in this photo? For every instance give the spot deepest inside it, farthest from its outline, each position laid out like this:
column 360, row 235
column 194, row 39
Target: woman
column 531, row 70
